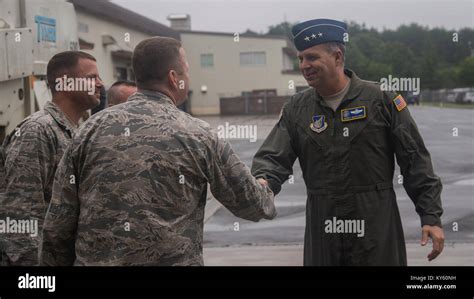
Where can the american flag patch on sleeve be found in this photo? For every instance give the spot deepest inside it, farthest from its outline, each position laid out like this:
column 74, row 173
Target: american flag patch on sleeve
column 400, row 103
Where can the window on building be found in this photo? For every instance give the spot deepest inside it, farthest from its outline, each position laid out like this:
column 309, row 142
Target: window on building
column 81, row 27
column 207, row 60
column 253, row 58
column 289, row 63
column 131, row 74
column 121, row 73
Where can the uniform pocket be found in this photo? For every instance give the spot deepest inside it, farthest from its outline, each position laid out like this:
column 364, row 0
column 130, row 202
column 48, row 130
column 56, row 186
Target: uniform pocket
column 371, row 157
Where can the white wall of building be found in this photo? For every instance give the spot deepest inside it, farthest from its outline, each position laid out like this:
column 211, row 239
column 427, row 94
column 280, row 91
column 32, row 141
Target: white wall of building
column 96, row 29
column 227, row 77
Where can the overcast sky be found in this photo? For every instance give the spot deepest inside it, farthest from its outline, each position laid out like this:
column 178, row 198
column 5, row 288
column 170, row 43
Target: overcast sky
column 258, row 15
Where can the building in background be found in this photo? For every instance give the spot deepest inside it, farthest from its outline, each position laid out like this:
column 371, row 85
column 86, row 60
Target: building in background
column 31, row 32
column 110, row 33
column 180, row 21
column 220, row 67
column 224, row 65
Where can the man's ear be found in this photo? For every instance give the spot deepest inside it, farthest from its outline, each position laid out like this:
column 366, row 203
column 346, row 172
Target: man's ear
column 339, row 57
column 173, row 78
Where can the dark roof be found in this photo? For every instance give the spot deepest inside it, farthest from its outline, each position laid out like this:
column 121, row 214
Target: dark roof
column 232, row 34
column 85, row 45
column 119, row 15
column 122, row 54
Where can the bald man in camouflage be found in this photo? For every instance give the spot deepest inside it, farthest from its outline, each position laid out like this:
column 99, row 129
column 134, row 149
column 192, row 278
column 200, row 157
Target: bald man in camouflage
column 131, row 190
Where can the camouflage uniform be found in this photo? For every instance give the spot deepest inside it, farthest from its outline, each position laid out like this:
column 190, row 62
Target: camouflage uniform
column 28, row 160
column 131, row 190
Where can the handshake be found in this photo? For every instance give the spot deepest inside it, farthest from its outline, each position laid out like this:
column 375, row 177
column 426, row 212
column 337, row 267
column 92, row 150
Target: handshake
column 263, row 182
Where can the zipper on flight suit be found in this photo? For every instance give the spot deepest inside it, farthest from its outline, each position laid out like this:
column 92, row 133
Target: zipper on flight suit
column 333, row 127
column 338, row 112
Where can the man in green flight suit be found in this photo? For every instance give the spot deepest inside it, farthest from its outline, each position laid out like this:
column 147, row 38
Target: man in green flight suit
column 346, row 132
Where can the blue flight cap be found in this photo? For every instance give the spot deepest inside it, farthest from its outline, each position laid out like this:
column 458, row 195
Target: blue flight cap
column 318, row 31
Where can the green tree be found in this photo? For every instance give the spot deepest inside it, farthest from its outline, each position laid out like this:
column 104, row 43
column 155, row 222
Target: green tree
column 251, row 32
column 466, row 72
column 440, row 58
column 284, row 29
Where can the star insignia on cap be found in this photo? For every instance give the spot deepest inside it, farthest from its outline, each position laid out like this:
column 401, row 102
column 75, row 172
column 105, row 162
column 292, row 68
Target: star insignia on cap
column 320, row 34
column 307, row 38
column 313, row 36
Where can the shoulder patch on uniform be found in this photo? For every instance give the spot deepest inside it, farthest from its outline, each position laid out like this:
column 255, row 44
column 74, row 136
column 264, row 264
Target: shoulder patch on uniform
column 400, row 103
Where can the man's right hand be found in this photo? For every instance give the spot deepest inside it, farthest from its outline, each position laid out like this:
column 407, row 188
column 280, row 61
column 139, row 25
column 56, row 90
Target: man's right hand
column 262, row 182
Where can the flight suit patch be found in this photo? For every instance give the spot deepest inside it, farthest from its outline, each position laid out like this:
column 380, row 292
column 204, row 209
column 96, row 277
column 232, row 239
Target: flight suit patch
column 355, row 113
column 319, row 123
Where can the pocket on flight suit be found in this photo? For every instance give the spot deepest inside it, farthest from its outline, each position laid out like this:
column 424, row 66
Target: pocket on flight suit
column 371, row 157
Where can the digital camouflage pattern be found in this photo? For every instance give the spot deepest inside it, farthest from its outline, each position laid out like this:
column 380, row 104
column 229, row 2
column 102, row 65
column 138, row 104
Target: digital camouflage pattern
column 348, row 170
column 30, row 154
column 131, row 190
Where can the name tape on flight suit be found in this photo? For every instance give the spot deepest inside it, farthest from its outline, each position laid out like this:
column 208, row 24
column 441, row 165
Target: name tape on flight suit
column 355, row 113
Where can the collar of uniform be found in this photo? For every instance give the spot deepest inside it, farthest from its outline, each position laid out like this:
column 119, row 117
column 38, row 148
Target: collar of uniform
column 59, row 116
column 354, row 88
column 155, row 95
